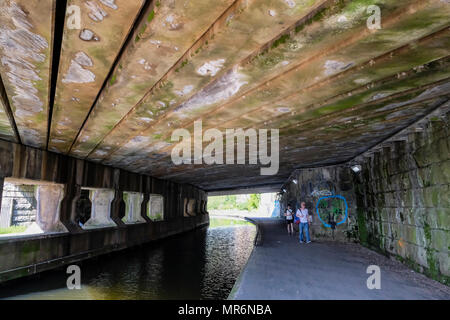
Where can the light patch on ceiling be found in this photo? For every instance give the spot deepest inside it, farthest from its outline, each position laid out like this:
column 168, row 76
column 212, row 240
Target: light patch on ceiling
column 172, row 22
column 76, row 72
column 110, row 3
column 283, row 109
column 96, row 12
column 290, row 3
column 146, row 120
column 333, row 66
column 379, row 95
column 210, row 68
column 221, row 89
column 186, row 90
column 361, row 81
column 88, row 35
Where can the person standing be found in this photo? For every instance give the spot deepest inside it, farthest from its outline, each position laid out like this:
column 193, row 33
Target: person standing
column 289, row 214
column 302, row 214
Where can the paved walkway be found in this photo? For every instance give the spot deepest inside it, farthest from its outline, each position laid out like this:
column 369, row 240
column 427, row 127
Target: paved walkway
column 281, row 268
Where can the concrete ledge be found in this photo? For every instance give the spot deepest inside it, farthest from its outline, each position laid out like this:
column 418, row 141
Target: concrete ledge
column 257, row 242
column 259, row 231
column 27, row 255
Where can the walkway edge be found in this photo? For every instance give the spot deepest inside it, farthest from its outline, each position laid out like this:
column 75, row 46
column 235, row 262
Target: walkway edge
column 257, row 242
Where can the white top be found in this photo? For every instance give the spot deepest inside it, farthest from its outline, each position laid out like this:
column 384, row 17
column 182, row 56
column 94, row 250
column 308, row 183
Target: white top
column 303, row 215
column 289, row 214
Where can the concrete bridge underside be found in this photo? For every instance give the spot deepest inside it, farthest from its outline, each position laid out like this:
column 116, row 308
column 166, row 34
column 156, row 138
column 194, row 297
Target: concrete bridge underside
column 112, row 89
column 91, row 91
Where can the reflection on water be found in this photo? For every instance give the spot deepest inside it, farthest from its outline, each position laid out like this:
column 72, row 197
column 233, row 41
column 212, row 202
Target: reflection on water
column 201, row 264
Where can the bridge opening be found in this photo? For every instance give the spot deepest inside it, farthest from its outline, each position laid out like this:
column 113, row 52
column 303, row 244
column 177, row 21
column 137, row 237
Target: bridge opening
column 155, row 207
column 244, row 205
column 30, row 207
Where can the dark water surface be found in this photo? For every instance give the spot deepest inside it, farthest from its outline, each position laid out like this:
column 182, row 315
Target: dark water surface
column 201, row 264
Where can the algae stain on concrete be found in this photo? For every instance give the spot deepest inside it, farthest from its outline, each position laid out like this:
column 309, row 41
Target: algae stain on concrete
column 21, row 50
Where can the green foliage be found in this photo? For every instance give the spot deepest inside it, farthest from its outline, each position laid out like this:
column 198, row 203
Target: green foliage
column 215, row 222
column 230, row 202
column 13, row 229
column 253, row 202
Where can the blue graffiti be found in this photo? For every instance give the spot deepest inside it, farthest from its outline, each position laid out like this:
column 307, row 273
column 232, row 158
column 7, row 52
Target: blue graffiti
column 327, row 197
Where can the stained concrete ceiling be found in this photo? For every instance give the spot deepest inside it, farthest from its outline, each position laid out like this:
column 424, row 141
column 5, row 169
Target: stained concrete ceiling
column 113, row 90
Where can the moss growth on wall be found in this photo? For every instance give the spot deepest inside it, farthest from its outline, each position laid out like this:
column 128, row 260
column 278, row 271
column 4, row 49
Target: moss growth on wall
column 362, row 227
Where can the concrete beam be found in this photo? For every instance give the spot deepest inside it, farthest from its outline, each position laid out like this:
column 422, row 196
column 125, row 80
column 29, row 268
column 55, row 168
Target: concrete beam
column 87, row 56
column 26, row 38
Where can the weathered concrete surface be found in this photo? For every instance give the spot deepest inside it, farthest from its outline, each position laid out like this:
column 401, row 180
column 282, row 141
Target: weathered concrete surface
column 165, row 35
column 290, row 69
column 87, row 56
column 312, row 69
column 281, row 268
column 101, row 200
column 26, row 43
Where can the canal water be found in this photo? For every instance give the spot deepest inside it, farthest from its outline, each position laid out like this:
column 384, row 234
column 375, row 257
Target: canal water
column 200, row 264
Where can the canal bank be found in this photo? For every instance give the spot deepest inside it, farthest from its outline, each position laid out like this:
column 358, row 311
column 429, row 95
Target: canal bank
column 282, row 268
column 200, row 264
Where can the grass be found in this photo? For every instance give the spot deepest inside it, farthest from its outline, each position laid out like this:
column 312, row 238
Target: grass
column 217, row 222
column 156, row 217
column 13, row 229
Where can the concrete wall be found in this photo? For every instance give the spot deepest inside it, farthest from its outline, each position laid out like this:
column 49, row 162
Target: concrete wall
column 64, row 241
column 403, row 196
column 312, row 184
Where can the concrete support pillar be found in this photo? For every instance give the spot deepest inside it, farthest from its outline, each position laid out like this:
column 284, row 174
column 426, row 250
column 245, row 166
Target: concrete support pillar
column 156, row 207
column 133, row 201
column 186, row 207
column 49, row 198
column 204, row 207
column 101, row 200
column 192, row 207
